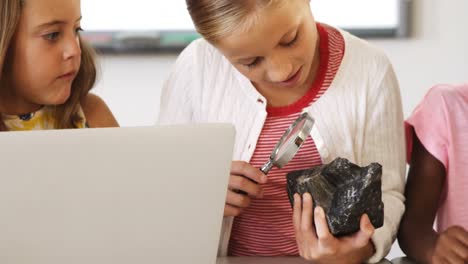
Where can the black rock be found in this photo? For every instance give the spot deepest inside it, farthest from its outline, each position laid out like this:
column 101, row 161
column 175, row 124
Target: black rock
column 344, row 190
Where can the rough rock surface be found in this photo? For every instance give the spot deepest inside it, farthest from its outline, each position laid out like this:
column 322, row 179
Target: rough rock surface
column 344, row 190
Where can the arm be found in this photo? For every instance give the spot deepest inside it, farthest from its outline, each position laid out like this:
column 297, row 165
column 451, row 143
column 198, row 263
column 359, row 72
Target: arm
column 97, row 113
column 180, row 100
column 178, row 95
column 417, row 237
column 384, row 142
column 381, row 140
column 423, row 189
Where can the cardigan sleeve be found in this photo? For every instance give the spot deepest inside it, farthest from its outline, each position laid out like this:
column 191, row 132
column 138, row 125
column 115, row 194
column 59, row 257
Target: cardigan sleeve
column 177, row 96
column 384, row 142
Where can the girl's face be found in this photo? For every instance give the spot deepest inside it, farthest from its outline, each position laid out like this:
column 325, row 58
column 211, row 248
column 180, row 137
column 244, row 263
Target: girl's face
column 277, row 49
column 45, row 55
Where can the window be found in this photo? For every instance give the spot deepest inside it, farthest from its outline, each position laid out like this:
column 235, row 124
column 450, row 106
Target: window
column 142, row 25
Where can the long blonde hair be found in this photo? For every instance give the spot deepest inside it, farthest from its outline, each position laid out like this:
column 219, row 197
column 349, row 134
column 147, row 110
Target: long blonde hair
column 67, row 114
column 215, row 19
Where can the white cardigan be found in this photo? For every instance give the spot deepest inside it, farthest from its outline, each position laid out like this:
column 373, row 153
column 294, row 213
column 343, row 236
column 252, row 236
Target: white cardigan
column 359, row 117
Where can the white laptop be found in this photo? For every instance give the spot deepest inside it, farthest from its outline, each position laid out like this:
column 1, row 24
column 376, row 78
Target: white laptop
column 112, row 196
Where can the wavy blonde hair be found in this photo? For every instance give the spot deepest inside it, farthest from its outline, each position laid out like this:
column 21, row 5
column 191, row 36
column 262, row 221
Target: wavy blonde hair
column 215, row 19
column 66, row 114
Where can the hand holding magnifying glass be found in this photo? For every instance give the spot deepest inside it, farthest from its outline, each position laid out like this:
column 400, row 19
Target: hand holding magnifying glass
column 288, row 145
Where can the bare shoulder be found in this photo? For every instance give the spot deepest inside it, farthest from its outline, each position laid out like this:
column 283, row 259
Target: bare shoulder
column 97, row 112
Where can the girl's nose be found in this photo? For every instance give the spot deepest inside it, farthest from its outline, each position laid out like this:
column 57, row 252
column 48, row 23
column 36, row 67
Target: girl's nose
column 279, row 71
column 72, row 48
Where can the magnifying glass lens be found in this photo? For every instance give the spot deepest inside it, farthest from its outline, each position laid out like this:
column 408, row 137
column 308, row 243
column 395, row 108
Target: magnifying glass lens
column 290, row 142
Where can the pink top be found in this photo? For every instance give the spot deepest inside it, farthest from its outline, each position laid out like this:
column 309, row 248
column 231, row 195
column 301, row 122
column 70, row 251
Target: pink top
column 441, row 124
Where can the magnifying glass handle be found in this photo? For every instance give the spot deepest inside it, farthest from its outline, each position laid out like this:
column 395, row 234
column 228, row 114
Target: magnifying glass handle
column 267, row 166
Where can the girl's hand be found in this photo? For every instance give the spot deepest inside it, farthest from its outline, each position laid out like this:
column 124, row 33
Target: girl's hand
column 451, row 246
column 316, row 243
column 243, row 184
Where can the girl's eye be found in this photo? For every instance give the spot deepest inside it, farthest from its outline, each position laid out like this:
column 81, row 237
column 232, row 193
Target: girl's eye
column 78, row 30
column 254, row 63
column 52, row 36
column 292, row 42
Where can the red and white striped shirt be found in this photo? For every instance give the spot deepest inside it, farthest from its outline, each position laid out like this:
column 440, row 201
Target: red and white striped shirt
column 265, row 228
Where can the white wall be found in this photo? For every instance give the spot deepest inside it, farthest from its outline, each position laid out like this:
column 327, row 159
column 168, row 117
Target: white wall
column 131, row 86
column 437, row 52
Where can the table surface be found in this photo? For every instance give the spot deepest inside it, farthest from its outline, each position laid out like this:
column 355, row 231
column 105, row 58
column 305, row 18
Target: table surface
column 272, row 260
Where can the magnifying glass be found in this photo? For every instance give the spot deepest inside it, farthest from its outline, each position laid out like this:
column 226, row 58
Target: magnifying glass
column 288, row 145
column 290, row 142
